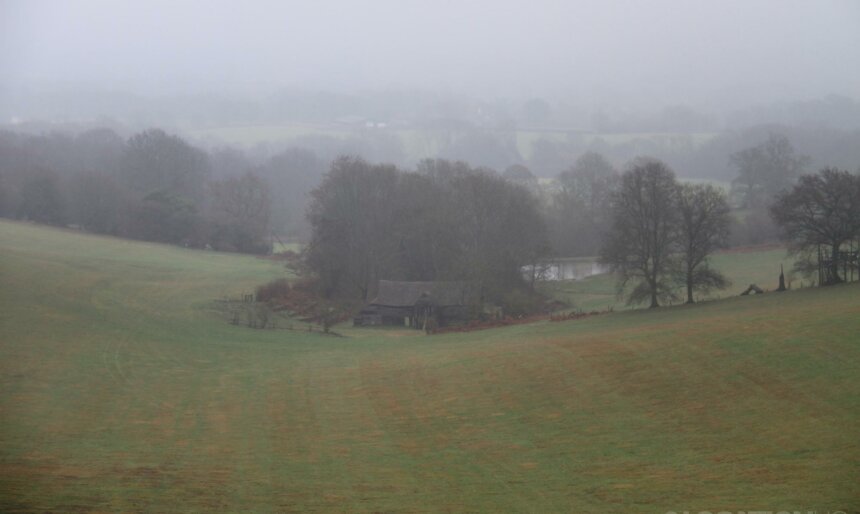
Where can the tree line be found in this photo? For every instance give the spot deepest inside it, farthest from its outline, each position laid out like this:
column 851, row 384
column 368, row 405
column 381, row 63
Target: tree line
column 448, row 221
column 155, row 186
column 442, row 221
column 820, row 221
column 663, row 232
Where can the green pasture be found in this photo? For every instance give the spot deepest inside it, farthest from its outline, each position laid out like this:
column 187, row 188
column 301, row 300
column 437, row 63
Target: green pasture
column 755, row 265
column 526, row 139
column 252, row 135
column 419, row 144
column 123, row 390
column 280, row 247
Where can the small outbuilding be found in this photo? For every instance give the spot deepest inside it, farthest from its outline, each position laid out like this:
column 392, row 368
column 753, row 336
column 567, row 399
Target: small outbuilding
column 415, row 304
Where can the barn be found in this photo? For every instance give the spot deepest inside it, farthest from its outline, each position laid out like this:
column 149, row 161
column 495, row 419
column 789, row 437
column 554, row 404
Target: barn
column 415, row 303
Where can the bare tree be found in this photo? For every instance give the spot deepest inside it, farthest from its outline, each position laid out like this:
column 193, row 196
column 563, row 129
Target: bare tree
column 500, row 230
column 240, row 210
column 352, row 216
column 704, row 227
column 640, row 244
column 291, row 176
column 580, row 212
column 41, row 198
column 156, row 161
column 821, row 211
column 97, row 202
column 766, row 169
column 591, row 180
column 446, row 222
column 519, row 174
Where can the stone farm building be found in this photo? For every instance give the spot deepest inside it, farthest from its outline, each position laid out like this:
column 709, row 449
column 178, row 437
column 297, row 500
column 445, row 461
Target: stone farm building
column 415, row 303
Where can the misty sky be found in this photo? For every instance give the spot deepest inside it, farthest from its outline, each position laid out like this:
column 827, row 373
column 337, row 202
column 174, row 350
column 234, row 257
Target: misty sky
column 681, row 50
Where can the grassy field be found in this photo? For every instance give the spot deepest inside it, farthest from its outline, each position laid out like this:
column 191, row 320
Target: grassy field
column 420, row 144
column 123, row 391
column 416, row 144
column 280, row 247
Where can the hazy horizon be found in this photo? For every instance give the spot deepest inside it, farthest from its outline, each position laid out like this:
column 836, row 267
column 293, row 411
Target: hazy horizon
column 702, row 53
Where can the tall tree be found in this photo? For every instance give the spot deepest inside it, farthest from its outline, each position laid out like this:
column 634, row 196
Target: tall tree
column 165, row 217
column 240, row 211
column 766, row 169
column 580, row 211
column 157, row 162
column 168, row 179
column 500, row 230
column 97, row 202
column 98, row 151
column 821, row 211
column 41, row 198
column 519, row 174
column 351, row 213
column 591, row 180
column 447, row 222
column 640, row 244
column 704, row 227
column 292, row 175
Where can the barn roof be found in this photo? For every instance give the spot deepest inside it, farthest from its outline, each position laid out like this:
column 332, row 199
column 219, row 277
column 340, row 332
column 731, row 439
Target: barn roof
column 405, row 294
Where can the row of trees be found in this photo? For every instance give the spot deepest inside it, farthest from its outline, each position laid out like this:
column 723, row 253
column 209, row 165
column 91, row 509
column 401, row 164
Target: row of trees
column 577, row 208
column 578, row 212
column 816, row 215
column 444, row 221
column 155, row 186
column 65, row 171
column 662, row 234
column 447, row 221
column 820, row 220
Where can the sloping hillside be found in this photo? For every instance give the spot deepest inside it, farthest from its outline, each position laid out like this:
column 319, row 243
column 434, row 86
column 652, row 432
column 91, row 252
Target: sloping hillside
column 124, row 391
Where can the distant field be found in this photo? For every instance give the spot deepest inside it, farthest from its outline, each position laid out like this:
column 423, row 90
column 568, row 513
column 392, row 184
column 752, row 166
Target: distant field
column 123, row 391
column 527, row 138
column 419, row 144
column 251, row 135
column 743, row 267
column 725, row 185
column 287, row 247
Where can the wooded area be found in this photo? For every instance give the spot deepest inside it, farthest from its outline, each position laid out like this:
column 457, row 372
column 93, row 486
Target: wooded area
column 441, row 221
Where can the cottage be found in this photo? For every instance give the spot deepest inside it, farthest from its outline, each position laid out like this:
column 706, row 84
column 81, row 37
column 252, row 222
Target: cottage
column 414, row 304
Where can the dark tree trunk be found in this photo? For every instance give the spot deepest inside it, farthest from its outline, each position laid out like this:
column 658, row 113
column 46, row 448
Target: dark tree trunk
column 654, row 303
column 689, row 284
column 834, row 265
